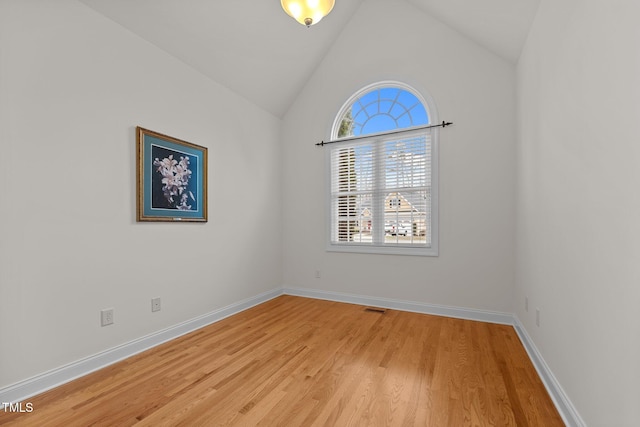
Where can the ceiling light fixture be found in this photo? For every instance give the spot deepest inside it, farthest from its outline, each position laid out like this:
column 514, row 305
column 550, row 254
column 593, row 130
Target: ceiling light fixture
column 307, row 12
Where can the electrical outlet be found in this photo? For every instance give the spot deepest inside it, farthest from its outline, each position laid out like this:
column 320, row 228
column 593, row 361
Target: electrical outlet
column 155, row 304
column 317, row 274
column 537, row 317
column 106, row 316
column 526, row 304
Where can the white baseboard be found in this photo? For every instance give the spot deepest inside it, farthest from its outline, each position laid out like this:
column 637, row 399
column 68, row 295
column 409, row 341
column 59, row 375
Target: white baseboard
column 415, row 307
column 25, row 389
column 567, row 411
column 48, row 380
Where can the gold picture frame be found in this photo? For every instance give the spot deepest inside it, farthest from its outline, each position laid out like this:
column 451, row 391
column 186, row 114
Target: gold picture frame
column 171, row 178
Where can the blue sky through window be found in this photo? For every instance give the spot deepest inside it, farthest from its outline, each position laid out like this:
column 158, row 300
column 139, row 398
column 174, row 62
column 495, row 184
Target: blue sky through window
column 385, row 109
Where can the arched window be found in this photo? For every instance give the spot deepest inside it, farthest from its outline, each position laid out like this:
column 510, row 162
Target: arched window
column 383, row 173
column 380, row 109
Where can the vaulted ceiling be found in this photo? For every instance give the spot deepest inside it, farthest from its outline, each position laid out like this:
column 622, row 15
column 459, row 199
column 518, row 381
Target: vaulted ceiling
column 255, row 49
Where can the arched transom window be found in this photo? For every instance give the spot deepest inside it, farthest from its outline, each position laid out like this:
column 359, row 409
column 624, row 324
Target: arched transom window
column 383, row 190
column 381, row 109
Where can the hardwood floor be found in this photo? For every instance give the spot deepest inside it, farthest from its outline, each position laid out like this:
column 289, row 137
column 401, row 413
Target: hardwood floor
column 302, row 362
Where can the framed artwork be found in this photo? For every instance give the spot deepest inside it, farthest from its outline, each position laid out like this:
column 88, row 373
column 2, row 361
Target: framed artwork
column 171, row 179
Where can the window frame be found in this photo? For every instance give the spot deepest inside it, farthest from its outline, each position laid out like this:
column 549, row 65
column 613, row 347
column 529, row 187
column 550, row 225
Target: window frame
column 388, row 249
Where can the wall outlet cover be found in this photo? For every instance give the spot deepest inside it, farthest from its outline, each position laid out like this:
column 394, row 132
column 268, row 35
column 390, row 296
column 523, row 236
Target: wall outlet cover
column 106, row 317
column 155, row 304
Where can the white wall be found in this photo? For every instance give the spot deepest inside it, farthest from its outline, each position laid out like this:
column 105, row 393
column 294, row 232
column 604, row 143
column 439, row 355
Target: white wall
column 73, row 86
column 579, row 202
column 472, row 88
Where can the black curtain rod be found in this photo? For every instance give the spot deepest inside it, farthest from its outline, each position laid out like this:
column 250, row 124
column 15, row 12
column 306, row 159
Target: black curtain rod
column 443, row 124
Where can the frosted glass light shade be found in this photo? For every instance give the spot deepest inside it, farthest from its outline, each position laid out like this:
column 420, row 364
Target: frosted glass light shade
column 307, row 12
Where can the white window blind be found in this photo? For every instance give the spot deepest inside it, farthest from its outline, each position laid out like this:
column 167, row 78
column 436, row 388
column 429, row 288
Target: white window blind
column 381, row 191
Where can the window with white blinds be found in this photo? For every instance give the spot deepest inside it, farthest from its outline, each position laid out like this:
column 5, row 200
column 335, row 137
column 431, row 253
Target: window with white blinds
column 382, row 187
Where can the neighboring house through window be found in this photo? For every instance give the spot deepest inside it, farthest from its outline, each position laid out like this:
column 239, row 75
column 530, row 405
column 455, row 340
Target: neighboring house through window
column 383, row 174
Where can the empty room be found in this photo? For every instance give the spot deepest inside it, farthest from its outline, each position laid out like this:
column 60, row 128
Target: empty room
column 320, row 213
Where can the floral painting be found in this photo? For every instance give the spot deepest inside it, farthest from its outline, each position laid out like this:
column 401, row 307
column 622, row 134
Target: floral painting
column 170, row 184
column 171, row 178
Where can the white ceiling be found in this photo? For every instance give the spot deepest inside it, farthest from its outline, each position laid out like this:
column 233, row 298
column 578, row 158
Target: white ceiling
column 501, row 26
column 254, row 48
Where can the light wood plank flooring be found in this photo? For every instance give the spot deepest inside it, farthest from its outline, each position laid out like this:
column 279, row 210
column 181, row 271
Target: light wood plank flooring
column 302, row 362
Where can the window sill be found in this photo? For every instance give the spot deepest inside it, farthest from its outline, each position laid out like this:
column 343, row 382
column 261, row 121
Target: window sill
column 383, row 250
